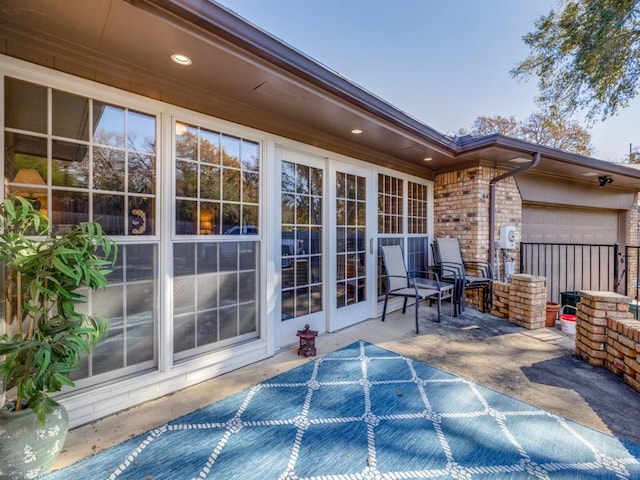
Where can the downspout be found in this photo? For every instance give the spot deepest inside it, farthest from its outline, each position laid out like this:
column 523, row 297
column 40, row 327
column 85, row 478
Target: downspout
column 492, row 202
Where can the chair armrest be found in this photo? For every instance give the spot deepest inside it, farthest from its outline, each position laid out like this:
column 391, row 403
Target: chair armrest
column 482, row 268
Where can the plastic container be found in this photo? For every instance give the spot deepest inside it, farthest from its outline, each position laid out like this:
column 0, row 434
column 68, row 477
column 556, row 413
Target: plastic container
column 567, row 320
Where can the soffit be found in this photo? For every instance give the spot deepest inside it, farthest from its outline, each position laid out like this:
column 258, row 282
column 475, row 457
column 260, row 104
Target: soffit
column 246, row 76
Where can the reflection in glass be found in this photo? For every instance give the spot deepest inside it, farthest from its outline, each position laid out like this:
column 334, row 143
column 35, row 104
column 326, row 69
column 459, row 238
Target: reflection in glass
column 142, row 173
column 108, row 124
column 70, row 115
column 209, row 183
column 250, row 156
column 141, row 132
column 247, row 318
column 231, row 185
column 288, row 177
column 142, row 216
column 70, row 164
column 186, row 217
column 230, row 151
column 25, row 106
column 250, row 216
column 108, row 169
column 186, row 141
column 140, row 343
column 108, row 211
column 230, row 217
column 209, row 146
column 69, row 208
column 25, row 152
column 186, row 179
column 250, row 187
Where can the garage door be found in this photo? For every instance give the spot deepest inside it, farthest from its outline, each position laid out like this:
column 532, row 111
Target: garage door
column 551, row 224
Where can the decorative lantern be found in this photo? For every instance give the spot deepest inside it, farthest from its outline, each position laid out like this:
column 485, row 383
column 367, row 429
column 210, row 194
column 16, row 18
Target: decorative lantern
column 307, row 341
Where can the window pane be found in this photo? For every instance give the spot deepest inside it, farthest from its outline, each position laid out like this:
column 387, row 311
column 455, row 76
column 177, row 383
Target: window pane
column 230, row 218
column 209, row 218
column 108, row 124
column 250, row 156
column 228, row 322
column 141, row 216
column 207, row 327
column 250, row 187
column 186, row 141
column 108, row 211
column 186, row 179
column 25, row 106
column 108, row 169
column 141, row 132
column 186, row 217
column 142, row 173
column 230, row 151
column 70, row 115
column 230, row 184
column 207, row 287
column 26, row 153
column 69, row 209
column 209, row 182
column 209, row 147
column 184, row 332
column 70, row 164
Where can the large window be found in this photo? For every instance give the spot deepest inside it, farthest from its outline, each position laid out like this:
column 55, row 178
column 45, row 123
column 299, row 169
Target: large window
column 78, row 159
column 301, row 240
column 217, row 182
column 217, row 192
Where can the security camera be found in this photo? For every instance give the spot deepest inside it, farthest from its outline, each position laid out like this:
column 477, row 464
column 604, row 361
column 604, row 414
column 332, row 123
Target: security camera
column 605, row 180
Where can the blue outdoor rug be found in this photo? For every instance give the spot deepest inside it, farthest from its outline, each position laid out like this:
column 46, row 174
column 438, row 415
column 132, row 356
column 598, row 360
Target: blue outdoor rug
column 365, row 413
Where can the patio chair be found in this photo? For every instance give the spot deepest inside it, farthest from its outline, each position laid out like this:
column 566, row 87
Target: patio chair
column 471, row 275
column 417, row 285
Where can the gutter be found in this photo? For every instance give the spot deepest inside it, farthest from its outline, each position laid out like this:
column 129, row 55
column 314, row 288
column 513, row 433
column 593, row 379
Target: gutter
column 492, row 201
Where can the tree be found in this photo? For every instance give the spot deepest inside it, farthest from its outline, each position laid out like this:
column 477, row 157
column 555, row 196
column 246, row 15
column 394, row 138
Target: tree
column 634, row 155
column 546, row 128
column 586, row 56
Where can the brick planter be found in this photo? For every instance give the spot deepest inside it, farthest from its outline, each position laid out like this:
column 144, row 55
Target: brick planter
column 594, row 309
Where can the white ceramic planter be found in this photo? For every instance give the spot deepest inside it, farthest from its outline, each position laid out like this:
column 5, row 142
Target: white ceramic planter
column 27, row 448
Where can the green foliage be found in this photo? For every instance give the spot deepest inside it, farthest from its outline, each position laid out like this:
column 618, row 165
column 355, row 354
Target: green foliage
column 46, row 337
column 586, row 56
column 546, row 128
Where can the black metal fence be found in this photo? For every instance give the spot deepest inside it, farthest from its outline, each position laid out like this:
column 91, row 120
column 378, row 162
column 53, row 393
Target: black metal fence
column 572, row 267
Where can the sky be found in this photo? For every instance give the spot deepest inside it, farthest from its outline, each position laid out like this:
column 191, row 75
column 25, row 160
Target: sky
column 444, row 62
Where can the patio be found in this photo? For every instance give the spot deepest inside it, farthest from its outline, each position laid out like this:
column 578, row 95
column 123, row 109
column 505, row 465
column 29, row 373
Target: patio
column 535, row 366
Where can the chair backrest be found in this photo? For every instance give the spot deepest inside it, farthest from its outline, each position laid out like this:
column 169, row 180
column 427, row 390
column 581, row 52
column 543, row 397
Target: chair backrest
column 448, row 250
column 394, row 265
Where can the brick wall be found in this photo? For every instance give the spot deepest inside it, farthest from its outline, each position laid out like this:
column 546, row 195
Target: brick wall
column 608, row 336
column 461, row 209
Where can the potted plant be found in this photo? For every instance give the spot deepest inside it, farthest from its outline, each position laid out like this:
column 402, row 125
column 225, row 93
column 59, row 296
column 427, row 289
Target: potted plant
column 43, row 335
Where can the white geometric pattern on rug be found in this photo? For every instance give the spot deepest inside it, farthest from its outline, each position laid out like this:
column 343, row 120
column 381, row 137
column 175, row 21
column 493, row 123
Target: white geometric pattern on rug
column 364, row 413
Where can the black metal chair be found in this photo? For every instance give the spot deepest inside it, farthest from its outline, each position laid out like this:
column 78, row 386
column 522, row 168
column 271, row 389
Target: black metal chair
column 470, row 274
column 417, row 285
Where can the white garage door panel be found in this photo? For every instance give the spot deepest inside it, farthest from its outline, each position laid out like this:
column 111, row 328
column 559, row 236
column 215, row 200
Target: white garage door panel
column 546, row 224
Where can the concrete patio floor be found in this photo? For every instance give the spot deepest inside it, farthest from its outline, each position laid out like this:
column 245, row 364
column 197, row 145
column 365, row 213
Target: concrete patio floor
column 536, row 366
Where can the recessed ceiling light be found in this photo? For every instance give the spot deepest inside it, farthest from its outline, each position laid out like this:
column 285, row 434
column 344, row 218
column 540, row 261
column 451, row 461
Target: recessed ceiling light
column 520, row 160
column 590, row 174
column 181, row 59
column 428, row 159
column 356, row 131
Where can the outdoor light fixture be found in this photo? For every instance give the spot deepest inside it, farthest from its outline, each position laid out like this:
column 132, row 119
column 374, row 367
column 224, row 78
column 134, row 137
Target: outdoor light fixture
column 181, row 59
column 428, row 159
column 356, row 131
column 605, row 180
